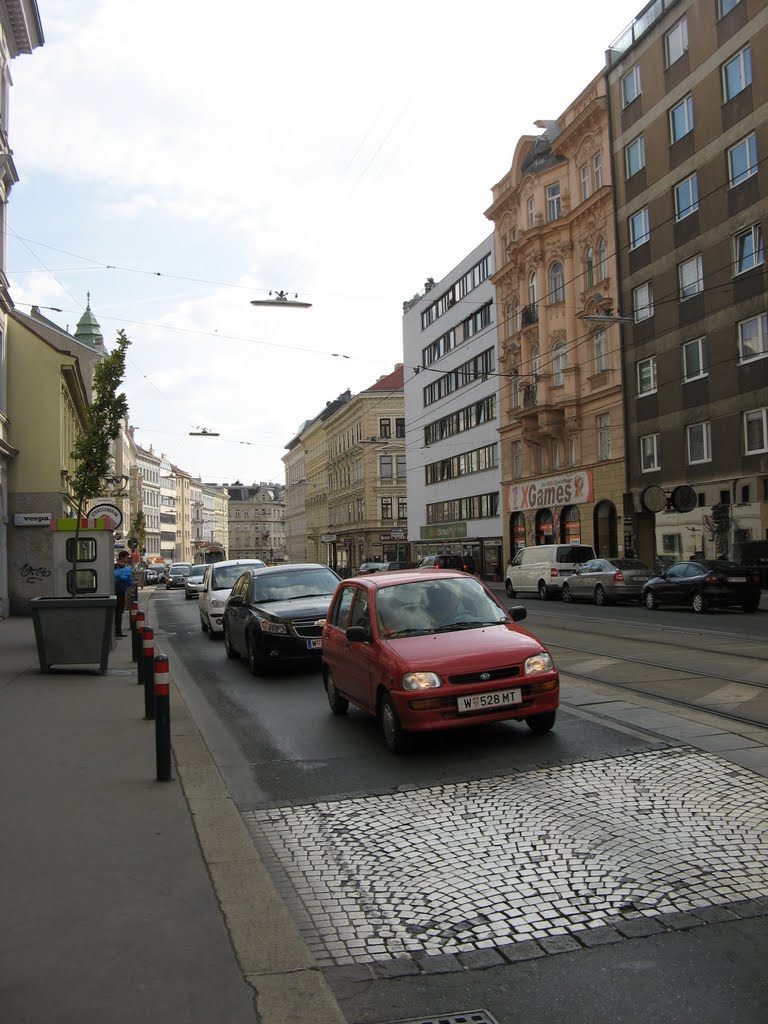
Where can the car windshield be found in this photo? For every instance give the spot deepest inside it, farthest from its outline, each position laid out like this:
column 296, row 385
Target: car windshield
column 224, row 577
column 433, row 606
column 289, row 585
column 182, row 570
column 197, row 570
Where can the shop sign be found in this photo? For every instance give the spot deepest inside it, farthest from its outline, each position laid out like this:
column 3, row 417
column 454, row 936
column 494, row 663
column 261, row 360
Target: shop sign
column 32, row 519
column 567, row 489
column 106, row 508
column 447, row 531
column 327, row 538
column 396, row 535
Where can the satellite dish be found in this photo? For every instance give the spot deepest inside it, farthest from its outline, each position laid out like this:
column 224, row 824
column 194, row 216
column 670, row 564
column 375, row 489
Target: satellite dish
column 654, row 498
column 684, row 498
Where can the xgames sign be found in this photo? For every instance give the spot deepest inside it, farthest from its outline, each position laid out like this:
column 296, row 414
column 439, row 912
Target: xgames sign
column 569, row 489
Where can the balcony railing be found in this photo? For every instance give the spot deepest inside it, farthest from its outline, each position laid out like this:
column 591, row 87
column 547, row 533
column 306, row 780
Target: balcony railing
column 529, row 314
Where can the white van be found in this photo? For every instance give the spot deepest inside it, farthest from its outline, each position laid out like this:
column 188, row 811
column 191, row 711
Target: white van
column 542, row 569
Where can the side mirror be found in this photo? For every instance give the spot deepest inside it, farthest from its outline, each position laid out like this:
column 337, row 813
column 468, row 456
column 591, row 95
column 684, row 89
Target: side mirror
column 235, row 600
column 518, row 613
column 358, row 634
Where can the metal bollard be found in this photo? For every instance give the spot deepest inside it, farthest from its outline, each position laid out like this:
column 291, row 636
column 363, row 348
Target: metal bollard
column 140, row 660
column 135, row 642
column 149, row 673
column 133, row 608
column 162, row 719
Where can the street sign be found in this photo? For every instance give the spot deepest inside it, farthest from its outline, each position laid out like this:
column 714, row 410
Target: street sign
column 106, row 508
column 132, row 543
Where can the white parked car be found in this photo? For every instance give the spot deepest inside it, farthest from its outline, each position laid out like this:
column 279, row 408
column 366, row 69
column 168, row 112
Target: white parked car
column 218, row 581
column 542, row 569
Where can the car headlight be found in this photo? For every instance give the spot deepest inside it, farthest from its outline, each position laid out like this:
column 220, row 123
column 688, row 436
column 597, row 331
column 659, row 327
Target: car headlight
column 421, row 681
column 538, row 663
column 217, row 603
column 272, row 627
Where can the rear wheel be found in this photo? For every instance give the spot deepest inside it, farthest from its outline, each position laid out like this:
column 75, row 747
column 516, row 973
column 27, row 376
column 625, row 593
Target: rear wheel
column 600, row 596
column 650, row 601
column 396, row 740
column 750, row 606
column 339, row 705
column 698, row 603
column 567, row 595
column 509, row 588
column 543, row 592
column 231, row 652
column 542, row 722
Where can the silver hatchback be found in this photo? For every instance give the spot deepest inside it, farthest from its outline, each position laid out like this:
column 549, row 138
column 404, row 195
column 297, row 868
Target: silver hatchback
column 604, row 580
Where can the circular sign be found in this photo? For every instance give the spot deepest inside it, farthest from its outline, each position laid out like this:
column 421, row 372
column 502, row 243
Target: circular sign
column 106, row 508
column 654, row 499
column 684, row 498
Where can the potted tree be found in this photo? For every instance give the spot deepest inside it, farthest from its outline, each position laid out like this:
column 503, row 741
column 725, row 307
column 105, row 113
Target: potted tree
column 78, row 629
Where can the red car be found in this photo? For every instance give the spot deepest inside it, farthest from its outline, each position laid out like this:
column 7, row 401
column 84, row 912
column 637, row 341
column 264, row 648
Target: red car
column 433, row 649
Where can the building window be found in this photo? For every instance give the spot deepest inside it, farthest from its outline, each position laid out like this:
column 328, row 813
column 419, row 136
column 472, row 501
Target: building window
column 604, row 437
column 517, row 459
column 642, row 301
column 634, row 156
column 601, row 352
column 400, row 467
column 597, row 170
column 385, row 467
column 748, row 249
column 584, row 176
column 385, row 428
column 646, row 376
column 556, row 283
column 694, row 359
column 553, row 202
column 589, row 272
column 676, row 42
column 756, row 431
column 630, row 86
column 639, row 228
column 602, row 262
column 572, row 451
column 690, row 275
column 726, row 6
column 559, row 363
column 742, row 160
column 532, row 212
column 386, row 508
column 699, row 443
column 533, row 291
column 686, row 197
column 400, row 427
column 681, row 118
column 753, row 338
column 737, row 74
column 402, row 508
column 649, row 453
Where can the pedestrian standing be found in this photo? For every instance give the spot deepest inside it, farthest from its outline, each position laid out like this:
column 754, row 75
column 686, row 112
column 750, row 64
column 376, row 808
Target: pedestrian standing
column 123, row 584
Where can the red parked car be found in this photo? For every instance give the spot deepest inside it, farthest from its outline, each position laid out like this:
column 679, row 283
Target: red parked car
column 433, row 649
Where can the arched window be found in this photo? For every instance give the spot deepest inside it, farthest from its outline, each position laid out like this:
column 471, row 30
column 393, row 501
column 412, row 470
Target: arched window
column 589, row 272
column 557, row 456
column 533, row 291
column 544, row 526
column 514, row 388
column 556, row 283
column 508, row 325
column 602, row 264
column 605, row 529
column 535, row 362
column 570, row 525
column 516, row 315
column 559, row 363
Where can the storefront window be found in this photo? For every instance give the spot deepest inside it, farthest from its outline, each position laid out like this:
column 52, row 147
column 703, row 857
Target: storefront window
column 518, row 531
column 570, row 525
column 544, row 526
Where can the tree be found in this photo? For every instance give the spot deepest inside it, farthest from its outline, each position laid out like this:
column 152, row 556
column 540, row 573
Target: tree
column 92, row 453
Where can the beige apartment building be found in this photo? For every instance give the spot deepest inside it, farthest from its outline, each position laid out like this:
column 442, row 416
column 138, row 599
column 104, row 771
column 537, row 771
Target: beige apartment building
column 561, row 417
column 256, row 521
column 689, row 110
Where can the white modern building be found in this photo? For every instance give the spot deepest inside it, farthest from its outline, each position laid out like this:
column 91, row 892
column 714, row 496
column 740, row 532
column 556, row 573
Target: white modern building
column 451, row 415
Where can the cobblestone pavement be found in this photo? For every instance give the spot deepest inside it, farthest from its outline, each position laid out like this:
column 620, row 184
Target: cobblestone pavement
column 505, row 869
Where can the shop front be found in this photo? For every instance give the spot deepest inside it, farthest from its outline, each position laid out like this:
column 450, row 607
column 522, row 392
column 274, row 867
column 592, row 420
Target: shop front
column 452, row 539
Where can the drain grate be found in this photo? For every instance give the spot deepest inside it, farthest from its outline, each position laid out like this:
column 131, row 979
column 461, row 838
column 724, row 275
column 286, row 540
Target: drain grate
column 467, row 1017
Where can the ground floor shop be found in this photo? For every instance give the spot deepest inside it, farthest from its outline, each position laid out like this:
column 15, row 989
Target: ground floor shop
column 454, row 539
column 344, row 552
column 580, row 507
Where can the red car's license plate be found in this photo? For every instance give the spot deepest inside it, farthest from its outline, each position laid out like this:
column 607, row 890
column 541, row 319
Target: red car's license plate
column 489, row 701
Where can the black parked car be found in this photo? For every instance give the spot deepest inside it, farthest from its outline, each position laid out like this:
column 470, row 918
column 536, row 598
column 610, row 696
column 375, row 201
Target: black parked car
column 276, row 615
column 704, row 585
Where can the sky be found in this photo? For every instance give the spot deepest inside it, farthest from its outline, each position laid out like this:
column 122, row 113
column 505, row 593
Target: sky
column 178, row 159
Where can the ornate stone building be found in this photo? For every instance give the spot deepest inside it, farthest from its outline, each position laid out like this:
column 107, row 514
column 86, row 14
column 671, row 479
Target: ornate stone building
column 561, row 424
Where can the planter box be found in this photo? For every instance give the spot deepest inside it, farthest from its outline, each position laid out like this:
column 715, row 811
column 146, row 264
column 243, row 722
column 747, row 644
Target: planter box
column 73, row 631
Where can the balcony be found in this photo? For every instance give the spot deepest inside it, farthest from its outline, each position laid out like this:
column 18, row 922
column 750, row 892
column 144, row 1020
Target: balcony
column 529, row 314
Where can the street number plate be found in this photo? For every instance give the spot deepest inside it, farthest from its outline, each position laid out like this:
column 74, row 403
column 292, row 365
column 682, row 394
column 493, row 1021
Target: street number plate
column 496, row 699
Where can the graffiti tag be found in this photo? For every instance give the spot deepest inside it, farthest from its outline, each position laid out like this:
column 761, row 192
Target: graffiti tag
column 32, row 575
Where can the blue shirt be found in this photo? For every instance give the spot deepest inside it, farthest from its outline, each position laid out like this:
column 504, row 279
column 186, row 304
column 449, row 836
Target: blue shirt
column 123, row 578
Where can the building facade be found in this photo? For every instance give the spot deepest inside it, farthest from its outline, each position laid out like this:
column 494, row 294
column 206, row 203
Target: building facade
column 688, row 108
column 452, row 415
column 295, row 465
column 257, row 521
column 149, row 482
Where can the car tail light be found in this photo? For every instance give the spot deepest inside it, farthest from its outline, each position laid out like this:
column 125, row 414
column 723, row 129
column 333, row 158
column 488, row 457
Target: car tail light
column 712, row 579
column 618, row 576
column 553, row 572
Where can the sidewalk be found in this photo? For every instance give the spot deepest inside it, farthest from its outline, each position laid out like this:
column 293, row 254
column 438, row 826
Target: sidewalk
column 130, row 899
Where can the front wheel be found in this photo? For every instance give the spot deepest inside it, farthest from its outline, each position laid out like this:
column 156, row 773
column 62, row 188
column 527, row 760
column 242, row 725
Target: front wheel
column 339, row 705
column 542, row 722
column 650, row 601
column 698, row 603
column 231, row 652
column 255, row 661
column 509, row 588
column 396, row 740
column 543, row 592
column 600, row 598
column 567, row 595
column 750, row 606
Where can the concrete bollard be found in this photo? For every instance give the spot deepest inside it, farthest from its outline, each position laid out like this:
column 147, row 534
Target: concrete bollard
column 148, row 660
column 162, row 720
